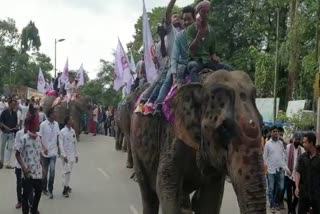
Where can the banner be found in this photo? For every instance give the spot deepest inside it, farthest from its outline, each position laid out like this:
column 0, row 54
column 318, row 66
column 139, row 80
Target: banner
column 80, row 76
column 265, row 107
column 41, row 86
column 148, row 47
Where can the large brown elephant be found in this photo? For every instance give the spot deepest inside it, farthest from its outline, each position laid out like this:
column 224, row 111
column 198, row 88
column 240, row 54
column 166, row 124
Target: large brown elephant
column 76, row 108
column 123, row 119
column 216, row 132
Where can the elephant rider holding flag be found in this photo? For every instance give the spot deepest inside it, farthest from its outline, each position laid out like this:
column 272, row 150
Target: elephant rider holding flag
column 201, row 40
column 167, row 32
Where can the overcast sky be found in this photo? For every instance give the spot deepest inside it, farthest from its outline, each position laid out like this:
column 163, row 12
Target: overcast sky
column 90, row 27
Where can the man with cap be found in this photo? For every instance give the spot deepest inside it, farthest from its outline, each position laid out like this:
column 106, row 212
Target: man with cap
column 202, row 44
column 293, row 152
column 275, row 159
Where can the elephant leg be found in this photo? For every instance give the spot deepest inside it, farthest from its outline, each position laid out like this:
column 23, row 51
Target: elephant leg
column 118, row 142
column 209, row 196
column 124, row 143
column 169, row 187
column 129, row 158
column 150, row 201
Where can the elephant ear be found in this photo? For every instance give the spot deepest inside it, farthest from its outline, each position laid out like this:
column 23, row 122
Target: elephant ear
column 187, row 108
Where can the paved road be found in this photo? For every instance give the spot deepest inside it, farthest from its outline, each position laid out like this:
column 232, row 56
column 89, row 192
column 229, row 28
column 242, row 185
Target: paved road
column 100, row 183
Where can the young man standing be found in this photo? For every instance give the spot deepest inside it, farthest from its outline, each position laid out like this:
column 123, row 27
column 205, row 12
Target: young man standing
column 9, row 126
column 69, row 154
column 308, row 176
column 28, row 154
column 275, row 160
column 294, row 151
column 49, row 131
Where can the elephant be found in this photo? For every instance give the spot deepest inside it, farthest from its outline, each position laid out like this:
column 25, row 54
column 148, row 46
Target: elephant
column 216, row 132
column 76, row 108
column 122, row 120
column 118, row 133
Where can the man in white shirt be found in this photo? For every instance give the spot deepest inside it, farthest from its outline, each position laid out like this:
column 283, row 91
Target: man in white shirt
column 95, row 119
column 275, row 158
column 294, row 151
column 49, row 131
column 69, row 154
column 24, row 109
column 18, row 170
column 28, row 154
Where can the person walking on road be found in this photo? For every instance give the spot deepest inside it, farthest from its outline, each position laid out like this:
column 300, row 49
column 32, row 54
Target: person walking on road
column 18, row 170
column 294, row 151
column 28, row 154
column 49, row 131
column 69, row 154
column 308, row 176
column 274, row 158
column 9, row 126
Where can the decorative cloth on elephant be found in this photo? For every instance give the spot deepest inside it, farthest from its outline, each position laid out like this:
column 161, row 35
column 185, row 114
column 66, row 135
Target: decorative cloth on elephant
column 64, row 99
column 52, row 93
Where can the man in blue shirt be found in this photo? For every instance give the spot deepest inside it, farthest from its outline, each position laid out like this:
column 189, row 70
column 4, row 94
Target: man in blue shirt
column 179, row 58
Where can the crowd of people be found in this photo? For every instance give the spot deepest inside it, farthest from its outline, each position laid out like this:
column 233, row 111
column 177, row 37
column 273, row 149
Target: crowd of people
column 37, row 142
column 100, row 122
column 292, row 171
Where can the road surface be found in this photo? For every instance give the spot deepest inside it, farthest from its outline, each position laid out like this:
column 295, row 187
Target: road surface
column 100, row 183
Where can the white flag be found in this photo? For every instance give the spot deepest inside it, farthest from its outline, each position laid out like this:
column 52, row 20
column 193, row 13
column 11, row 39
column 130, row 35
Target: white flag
column 41, row 82
column 65, row 74
column 148, row 46
column 133, row 66
column 122, row 69
column 80, row 76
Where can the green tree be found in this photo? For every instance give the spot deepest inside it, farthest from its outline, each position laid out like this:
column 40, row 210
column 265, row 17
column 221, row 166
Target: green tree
column 30, row 39
column 101, row 89
column 19, row 64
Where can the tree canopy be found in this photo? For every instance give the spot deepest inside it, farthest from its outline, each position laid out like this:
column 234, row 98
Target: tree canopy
column 20, row 58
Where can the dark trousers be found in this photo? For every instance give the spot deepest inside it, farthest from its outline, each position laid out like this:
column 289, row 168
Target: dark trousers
column 292, row 199
column 49, row 171
column 305, row 204
column 19, row 184
column 18, row 173
column 29, row 186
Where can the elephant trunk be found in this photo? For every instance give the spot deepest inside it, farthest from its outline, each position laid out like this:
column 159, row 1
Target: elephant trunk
column 248, row 179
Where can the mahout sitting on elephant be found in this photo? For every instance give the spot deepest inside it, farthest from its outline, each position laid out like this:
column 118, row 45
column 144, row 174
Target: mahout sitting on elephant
column 215, row 132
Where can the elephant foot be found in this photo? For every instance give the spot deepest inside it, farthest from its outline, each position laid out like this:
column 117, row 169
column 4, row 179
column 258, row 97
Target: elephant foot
column 185, row 211
column 1, row 165
column 124, row 149
column 134, row 177
column 129, row 165
column 118, row 148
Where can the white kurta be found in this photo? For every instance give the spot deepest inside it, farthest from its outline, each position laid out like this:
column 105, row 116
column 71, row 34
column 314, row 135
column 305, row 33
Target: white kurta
column 68, row 143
